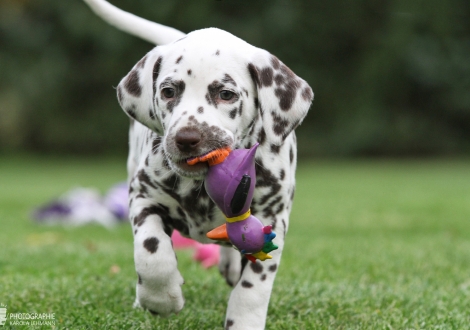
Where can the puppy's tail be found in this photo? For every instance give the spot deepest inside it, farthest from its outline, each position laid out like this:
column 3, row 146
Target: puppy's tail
column 154, row 33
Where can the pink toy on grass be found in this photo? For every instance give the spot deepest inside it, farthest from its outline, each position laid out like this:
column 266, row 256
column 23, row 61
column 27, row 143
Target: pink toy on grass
column 207, row 254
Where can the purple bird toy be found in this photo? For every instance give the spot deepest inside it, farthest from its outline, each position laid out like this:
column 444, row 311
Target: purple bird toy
column 230, row 183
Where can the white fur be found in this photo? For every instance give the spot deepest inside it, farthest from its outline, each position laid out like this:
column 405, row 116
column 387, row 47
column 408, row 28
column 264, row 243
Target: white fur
column 152, row 32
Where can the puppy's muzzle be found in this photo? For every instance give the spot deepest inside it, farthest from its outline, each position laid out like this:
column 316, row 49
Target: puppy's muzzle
column 188, row 139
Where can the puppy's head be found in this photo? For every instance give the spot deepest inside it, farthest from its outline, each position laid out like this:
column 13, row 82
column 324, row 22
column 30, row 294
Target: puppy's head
column 207, row 90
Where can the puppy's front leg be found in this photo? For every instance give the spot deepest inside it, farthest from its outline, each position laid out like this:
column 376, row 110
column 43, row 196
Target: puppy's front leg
column 249, row 300
column 159, row 281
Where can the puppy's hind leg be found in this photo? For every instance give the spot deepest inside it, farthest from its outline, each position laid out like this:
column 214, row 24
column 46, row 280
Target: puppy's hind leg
column 230, row 265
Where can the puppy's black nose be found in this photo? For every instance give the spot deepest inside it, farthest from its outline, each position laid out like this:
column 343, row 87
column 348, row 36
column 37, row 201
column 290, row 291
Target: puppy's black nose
column 187, row 139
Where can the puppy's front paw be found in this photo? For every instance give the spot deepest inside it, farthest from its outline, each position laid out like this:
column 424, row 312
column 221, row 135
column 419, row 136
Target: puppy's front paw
column 162, row 301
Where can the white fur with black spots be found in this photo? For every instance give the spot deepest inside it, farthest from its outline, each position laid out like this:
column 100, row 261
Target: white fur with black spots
column 191, row 94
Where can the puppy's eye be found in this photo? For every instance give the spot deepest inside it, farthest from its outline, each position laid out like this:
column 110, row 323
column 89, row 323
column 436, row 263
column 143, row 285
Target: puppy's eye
column 168, row 93
column 226, row 95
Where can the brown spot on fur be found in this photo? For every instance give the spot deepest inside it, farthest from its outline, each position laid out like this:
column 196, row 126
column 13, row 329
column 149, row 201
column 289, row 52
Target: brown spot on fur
column 151, row 244
column 247, row 284
column 279, row 79
column 280, row 125
column 261, row 136
column 254, row 74
column 213, row 91
column 132, row 84
column 228, row 79
column 233, row 113
column 286, row 95
column 229, row 324
column 275, row 148
column 256, row 267
column 156, row 72
column 266, row 76
column 179, row 90
column 307, row 94
column 275, row 62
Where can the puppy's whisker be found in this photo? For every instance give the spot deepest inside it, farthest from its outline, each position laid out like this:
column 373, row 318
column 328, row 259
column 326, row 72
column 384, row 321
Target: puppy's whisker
column 199, row 191
column 259, row 164
column 174, row 184
column 190, row 183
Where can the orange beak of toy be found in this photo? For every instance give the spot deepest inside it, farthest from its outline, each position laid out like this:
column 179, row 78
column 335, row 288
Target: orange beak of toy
column 212, row 158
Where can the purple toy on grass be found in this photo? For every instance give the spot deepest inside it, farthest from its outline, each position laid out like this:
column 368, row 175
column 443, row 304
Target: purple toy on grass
column 230, row 183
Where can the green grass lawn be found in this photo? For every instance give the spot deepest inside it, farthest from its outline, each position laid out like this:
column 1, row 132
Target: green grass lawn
column 372, row 245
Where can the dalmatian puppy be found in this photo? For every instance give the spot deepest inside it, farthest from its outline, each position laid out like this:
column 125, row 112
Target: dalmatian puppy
column 192, row 94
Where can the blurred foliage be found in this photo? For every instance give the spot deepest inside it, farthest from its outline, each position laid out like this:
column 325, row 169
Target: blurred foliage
column 390, row 77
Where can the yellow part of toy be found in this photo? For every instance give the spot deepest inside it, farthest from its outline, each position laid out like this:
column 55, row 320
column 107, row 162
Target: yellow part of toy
column 240, row 217
column 261, row 255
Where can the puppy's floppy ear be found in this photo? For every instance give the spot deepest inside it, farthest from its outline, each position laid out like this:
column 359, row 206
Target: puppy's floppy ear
column 284, row 98
column 137, row 91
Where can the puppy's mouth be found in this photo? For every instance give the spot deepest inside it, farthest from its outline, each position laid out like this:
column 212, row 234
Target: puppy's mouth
column 197, row 170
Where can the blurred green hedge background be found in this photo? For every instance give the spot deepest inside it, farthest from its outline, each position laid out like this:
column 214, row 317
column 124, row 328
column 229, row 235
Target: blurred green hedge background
column 391, row 78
